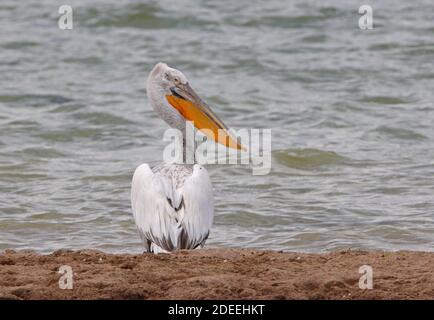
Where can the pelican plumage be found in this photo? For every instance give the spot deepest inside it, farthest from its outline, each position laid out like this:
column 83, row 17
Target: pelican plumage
column 172, row 204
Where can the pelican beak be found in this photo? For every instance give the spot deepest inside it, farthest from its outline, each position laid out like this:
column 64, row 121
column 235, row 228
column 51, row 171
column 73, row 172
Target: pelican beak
column 193, row 108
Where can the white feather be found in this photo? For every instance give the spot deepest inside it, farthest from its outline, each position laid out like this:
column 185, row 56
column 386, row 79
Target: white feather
column 156, row 195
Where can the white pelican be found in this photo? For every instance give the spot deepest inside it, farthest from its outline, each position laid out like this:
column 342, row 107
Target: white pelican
column 173, row 204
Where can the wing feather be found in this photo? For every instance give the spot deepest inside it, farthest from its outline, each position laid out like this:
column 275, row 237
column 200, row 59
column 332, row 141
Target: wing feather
column 198, row 210
column 170, row 213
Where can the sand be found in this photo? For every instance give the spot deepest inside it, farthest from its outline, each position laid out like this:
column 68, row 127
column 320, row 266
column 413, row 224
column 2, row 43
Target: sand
column 217, row 274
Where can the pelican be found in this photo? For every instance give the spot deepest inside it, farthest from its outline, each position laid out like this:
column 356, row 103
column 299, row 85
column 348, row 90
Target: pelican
column 173, row 204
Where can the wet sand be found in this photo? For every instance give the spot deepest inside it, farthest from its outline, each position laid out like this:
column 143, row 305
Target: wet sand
column 217, row 274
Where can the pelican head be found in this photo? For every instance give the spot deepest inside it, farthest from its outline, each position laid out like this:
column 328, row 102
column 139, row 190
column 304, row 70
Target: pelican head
column 171, row 95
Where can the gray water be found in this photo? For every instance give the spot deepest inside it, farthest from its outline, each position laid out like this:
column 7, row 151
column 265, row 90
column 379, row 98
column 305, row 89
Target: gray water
column 351, row 113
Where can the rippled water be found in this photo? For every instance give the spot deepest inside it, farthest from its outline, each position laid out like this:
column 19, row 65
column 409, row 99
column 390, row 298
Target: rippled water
column 351, row 113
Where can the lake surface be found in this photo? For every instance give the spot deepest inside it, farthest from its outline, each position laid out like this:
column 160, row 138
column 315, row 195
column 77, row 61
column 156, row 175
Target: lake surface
column 351, row 113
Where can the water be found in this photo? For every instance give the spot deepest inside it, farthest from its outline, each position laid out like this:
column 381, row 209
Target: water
column 351, row 114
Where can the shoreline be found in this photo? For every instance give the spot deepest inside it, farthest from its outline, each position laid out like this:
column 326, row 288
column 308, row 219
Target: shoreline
column 217, row 274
